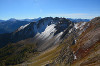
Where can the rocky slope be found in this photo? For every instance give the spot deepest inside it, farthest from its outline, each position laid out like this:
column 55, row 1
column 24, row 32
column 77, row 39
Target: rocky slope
column 85, row 49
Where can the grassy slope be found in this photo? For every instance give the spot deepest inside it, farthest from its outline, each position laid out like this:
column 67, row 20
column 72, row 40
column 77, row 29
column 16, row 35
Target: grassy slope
column 16, row 53
column 44, row 58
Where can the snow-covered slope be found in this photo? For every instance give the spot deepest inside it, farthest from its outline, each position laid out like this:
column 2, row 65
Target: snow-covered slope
column 79, row 25
column 22, row 27
column 48, row 32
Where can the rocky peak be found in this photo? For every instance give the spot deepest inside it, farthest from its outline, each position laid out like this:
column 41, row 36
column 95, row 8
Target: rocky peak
column 30, row 30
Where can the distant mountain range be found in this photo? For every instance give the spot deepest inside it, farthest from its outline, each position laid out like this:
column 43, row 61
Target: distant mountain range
column 79, row 20
column 8, row 26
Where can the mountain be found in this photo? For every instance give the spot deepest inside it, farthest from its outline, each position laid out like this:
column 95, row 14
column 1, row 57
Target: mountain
column 12, row 20
column 50, row 26
column 52, row 42
column 36, row 34
column 13, row 24
column 42, row 31
column 79, row 20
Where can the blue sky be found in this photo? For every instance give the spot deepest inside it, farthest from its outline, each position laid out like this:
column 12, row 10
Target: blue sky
column 21, row 9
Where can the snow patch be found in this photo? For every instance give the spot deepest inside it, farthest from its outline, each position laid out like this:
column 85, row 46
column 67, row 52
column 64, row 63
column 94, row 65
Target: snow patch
column 75, row 57
column 81, row 26
column 48, row 31
column 75, row 41
column 22, row 27
column 58, row 37
column 70, row 30
column 77, row 26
